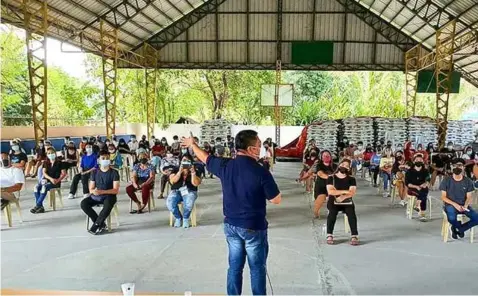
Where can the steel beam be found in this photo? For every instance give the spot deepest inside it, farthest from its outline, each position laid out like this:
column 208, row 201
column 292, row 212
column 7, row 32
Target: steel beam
column 151, row 74
column 412, row 58
column 384, row 28
column 109, row 43
column 37, row 66
column 171, row 32
column 277, row 108
column 445, row 38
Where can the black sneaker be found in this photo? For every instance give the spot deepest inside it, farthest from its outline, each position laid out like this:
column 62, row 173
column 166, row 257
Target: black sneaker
column 94, row 228
column 34, row 210
column 40, row 210
column 460, row 234
column 102, row 229
column 454, row 233
column 161, row 196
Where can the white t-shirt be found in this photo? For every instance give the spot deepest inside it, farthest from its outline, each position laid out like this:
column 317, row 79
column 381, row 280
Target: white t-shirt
column 133, row 146
column 11, row 176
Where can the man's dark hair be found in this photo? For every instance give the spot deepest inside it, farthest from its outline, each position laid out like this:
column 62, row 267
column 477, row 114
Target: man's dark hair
column 245, row 139
column 218, row 139
column 458, row 160
column 104, row 152
column 175, row 138
column 188, row 156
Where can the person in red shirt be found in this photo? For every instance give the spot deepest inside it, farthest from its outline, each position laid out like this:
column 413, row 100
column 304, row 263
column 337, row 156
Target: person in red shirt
column 423, row 152
column 157, row 152
column 408, row 151
column 307, row 173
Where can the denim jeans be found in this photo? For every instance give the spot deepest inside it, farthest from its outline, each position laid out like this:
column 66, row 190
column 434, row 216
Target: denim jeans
column 248, row 243
column 175, row 197
column 451, row 214
column 386, row 180
column 40, row 191
column 155, row 162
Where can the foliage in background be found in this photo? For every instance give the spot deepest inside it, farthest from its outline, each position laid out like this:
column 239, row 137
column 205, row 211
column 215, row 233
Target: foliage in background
column 205, row 94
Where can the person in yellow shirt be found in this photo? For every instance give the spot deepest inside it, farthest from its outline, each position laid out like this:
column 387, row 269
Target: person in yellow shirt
column 386, row 164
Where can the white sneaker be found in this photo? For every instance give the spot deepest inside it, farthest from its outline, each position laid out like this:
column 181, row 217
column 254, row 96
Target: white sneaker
column 403, row 203
column 86, row 195
column 385, row 194
column 71, row 196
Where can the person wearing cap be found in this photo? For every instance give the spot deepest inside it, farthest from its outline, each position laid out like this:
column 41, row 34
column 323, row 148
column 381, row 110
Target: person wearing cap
column 456, row 194
column 417, row 181
column 18, row 158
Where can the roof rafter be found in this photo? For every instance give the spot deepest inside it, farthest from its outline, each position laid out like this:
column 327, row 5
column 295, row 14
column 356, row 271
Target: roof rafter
column 178, row 27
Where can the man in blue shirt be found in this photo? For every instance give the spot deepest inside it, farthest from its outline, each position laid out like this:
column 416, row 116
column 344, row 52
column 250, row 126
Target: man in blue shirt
column 246, row 186
column 88, row 164
column 456, row 194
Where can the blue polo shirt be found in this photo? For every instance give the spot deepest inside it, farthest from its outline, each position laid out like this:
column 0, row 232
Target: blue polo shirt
column 246, row 186
column 89, row 161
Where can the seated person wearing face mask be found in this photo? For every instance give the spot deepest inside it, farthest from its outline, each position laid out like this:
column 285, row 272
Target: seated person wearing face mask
column 71, row 157
column 11, row 180
column 416, row 180
column 142, row 179
column 115, row 157
column 133, row 144
column 18, row 158
column 104, row 186
column 341, row 188
column 184, row 186
column 88, row 164
column 144, row 142
column 141, row 150
column 53, row 172
column 157, row 152
column 83, row 143
column 40, row 156
column 456, row 193
column 64, row 147
column 168, row 165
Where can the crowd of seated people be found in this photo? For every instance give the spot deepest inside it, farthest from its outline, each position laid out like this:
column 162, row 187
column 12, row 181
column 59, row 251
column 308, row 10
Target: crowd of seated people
column 97, row 161
column 410, row 171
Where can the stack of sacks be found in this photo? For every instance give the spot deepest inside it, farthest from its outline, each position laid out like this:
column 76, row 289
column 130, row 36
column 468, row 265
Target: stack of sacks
column 422, row 130
column 359, row 129
column 391, row 129
column 324, row 134
column 460, row 132
column 211, row 129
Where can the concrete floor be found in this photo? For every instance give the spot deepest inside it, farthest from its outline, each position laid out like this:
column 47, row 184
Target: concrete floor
column 53, row 251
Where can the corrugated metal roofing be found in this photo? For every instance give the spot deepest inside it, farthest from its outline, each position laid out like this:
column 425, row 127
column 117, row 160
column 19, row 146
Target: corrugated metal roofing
column 243, row 33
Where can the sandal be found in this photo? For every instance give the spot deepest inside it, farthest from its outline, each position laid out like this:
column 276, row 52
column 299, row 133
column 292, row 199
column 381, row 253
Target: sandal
column 133, row 212
column 354, row 241
column 330, row 239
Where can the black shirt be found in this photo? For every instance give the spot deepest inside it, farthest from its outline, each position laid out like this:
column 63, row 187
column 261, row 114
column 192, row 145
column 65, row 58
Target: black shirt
column 185, row 181
column 104, row 181
column 54, row 169
column 329, row 170
column 415, row 177
column 341, row 184
column 17, row 158
column 41, row 153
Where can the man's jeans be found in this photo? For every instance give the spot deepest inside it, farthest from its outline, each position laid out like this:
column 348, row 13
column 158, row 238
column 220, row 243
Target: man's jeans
column 386, row 180
column 40, row 191
column 188, row 200
column 253, row 244
column 451, row 214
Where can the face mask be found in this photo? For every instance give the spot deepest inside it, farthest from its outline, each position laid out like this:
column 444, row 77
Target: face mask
column 51, row 157
column 143, row 160
column 344, row 170
column 351, row 145
column 399, row 157
column 184, row 151
column 104, row 163
column 141, row 150
column 16, row 148
column 134, row 139
column 457, row 171
column 186, row 163
column 111, row 151
column 469, row 152
column 107, row 143
column 175, row 141
column 89, row 151
column 418, row 164
column 71, row 151
column 169, row 155
column 360, row 147
column 420, row 148
column 326, row 158
column 5, row 163
column 450, row 147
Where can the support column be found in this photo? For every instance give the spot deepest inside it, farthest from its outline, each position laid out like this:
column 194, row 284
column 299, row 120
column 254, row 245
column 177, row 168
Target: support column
column 412, row 58
column 150, row 55
column 445, row 42
column 277, row 109
column 37, row 67
column 109, row 48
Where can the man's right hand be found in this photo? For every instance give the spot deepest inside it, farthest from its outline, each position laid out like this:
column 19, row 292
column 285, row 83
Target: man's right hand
column 459, row 208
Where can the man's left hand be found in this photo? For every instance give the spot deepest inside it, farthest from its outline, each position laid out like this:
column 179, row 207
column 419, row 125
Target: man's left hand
column 95, row 192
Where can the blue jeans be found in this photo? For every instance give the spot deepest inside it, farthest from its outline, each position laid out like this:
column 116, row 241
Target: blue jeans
column 451, row 214
column 386, row 180
column 253, row 244
column 175, row 197
column 40, row 191
column 155, row 162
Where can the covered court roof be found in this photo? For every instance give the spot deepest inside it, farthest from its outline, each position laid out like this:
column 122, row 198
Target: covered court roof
column 253, row 34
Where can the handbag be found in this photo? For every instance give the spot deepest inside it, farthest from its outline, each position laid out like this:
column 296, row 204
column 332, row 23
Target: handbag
column 345, row 202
